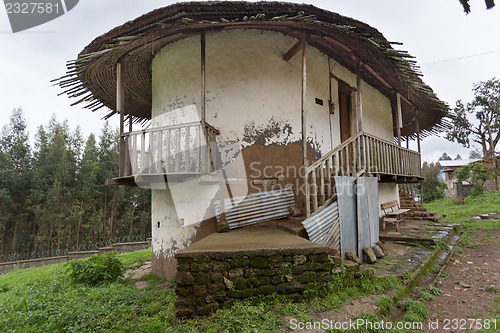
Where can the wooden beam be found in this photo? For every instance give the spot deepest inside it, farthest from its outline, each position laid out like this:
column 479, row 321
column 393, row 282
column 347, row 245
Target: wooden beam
column 398, row 117
column 205, row 159
column 203, row 82
column 293, row 51
column 120, row 101
column 359, row 101
column 303, row 121
column 417, row 130
column 406, row 100
column 377, row 76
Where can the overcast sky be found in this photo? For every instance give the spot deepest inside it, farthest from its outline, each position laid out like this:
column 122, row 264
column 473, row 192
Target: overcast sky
column 454, row 50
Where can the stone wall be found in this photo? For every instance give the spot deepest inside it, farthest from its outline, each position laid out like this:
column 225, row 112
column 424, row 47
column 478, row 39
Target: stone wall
column 208, row 281
column 6, row 267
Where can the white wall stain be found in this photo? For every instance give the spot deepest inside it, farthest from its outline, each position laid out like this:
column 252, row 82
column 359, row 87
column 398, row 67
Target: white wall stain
column 253, row 97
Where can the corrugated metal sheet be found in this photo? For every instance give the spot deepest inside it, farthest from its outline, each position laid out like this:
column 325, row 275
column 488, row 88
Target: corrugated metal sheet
column 373, row 208
column 256, row 207
column 347, row 214
column 363, row 217
column 367, row 206
column 324, row 227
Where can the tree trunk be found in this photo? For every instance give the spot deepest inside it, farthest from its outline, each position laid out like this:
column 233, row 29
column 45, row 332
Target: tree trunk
column 69, row 236
column 59, row 234
column 131, row 221
column 80, row 219
column 14, row 236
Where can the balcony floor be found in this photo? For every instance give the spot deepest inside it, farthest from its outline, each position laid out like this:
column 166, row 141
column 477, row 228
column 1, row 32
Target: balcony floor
column 147, row 180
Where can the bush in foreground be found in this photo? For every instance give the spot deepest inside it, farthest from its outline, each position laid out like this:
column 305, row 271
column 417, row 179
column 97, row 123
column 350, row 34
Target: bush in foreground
column 97, row 269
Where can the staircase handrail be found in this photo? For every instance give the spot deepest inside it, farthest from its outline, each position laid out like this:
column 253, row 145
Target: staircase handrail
column 332, row 152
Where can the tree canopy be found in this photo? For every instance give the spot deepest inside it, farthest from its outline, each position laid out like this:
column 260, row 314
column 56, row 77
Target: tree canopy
column 53, row 196
column 478, row 121
column 445, row 157
column 465, row 3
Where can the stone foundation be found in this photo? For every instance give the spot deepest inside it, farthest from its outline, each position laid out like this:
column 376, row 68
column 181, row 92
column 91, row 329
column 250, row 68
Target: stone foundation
column 208, row 281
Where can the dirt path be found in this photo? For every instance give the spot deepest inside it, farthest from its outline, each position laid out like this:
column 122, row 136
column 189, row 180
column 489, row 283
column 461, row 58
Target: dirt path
column 471, row 287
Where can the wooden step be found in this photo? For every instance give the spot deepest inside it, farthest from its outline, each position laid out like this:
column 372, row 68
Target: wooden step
column 294, row 226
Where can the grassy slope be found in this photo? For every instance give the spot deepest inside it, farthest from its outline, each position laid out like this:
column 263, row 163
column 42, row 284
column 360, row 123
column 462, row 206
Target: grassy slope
column 481, row 204
column 42, row 299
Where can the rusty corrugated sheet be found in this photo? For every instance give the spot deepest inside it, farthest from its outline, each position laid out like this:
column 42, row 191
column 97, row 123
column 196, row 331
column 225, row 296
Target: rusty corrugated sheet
column 346, row 199
column 256, row 207
column 324, row 227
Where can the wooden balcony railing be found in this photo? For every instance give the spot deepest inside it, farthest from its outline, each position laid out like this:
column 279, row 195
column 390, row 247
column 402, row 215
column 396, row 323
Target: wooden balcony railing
column 177, row 149
column 361, row 154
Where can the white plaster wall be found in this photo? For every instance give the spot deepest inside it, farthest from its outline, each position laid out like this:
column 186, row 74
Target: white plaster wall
column 167, row 234
column 251, row 94
column 250, row 89
column 176, row 82
column 377, row 115
column 387, row 192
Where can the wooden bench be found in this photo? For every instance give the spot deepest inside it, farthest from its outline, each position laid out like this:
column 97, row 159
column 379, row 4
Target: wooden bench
column 393, row 213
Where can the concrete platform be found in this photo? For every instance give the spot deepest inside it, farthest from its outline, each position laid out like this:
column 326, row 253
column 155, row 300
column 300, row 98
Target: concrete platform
column 265, row 240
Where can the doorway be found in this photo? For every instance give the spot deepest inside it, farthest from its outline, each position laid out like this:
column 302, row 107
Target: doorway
column 345, row 115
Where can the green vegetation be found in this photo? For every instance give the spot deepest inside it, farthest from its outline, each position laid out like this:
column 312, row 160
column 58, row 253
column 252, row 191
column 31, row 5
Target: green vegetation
column 429, row 293
column 385, row 305
column 97, row 269
column 484, row 110
column 477, row 174
column 481, row 204
column 53, row 195
column 415, row 311
column 44, row 299
column 432, row 186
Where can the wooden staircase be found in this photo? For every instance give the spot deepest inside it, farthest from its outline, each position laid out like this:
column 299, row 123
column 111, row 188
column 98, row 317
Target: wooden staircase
column 417, row 212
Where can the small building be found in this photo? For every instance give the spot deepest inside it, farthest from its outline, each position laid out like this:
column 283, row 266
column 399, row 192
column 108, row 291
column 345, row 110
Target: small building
column 447, row 174
column 230, row 111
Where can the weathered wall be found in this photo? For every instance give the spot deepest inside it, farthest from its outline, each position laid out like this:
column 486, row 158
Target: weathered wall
column 377, row 116
column 206, row 281
column 253, row 98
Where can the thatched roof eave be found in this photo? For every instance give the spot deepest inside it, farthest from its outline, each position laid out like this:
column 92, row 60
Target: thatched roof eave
column 91, row 79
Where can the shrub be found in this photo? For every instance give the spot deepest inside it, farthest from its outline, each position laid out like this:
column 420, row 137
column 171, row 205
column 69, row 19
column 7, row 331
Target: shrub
column 97, row 269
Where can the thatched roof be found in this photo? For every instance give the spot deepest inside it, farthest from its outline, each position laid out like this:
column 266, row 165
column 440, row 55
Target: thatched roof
column 92, row 77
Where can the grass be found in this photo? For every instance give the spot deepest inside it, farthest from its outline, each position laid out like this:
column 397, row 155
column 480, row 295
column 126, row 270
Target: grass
column 44, row 299
column 481, row 204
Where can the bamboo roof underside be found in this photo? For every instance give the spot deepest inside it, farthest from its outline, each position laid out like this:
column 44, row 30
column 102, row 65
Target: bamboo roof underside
column 91, row 78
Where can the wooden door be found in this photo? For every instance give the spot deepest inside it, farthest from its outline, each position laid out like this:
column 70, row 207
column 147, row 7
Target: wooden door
column 345, row 115
column 345, row 158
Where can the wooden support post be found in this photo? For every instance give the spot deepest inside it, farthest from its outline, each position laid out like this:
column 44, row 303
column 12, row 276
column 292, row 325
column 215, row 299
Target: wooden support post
column 359, row 101
column 205, row 156
column 293, row 50
column 417, row 130
column 304, row 127
column 120, row 101
column 398, row 118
